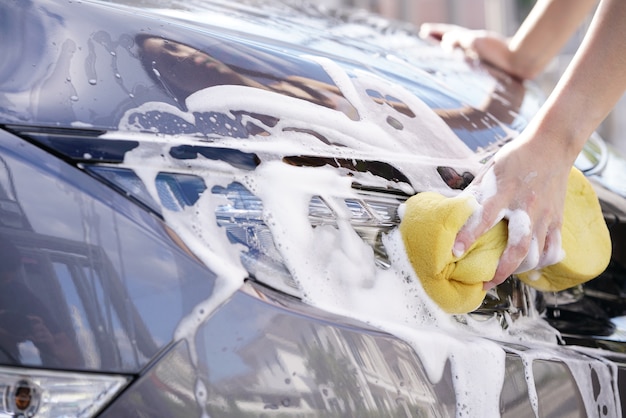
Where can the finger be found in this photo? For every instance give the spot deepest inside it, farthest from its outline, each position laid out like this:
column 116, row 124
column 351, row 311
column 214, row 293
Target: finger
column 535, row 250
column 435, row 30
column 451, row 40
column 482, row 219
column 468, row 234
column 508, row 264
column 553, row 248
column 517, row 248
column 532, row 257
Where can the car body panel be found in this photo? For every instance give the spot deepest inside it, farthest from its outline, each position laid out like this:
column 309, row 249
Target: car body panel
column 95, row 261
column 283, row 364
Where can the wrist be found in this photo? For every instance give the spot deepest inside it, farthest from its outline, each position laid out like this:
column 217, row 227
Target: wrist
column 521, row 65
column 559, row 144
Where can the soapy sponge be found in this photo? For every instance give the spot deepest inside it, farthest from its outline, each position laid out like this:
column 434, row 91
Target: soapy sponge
column 431, row 222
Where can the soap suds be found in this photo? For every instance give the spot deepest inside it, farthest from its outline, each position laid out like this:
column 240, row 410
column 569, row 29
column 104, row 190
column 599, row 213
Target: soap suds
column 331, row 264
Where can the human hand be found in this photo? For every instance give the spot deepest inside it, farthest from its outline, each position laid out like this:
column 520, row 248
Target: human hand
column 525, row 185
column 485, row 45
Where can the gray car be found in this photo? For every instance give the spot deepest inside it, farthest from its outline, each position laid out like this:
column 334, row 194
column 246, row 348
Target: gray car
column 199, row 204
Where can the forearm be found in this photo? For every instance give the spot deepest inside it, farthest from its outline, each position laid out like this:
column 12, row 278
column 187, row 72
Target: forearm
column 543, row 33
column 591, row 86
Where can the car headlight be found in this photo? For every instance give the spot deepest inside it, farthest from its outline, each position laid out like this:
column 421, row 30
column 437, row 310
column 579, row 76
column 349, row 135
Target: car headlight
column 41, row 393
column 371, row 215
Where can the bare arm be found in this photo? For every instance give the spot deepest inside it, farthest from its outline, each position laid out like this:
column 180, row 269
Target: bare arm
column 544, row 32
column 592, row 84
column 540, row 37
column 530, row 173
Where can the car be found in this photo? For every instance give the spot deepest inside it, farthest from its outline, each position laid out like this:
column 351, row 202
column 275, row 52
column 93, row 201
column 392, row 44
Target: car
column 199, row 205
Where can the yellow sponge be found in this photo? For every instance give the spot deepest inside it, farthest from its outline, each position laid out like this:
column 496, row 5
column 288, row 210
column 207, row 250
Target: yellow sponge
column 430, row 225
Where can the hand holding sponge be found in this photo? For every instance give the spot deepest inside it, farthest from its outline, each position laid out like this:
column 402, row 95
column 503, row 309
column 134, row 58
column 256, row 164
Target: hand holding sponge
column 431, row 222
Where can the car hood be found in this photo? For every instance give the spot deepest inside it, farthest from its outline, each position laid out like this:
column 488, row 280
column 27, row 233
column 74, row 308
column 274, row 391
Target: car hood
column 172, row 67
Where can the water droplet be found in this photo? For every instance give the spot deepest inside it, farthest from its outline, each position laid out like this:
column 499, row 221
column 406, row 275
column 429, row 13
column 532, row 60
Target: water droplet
column 74, row 98
column 93, row 81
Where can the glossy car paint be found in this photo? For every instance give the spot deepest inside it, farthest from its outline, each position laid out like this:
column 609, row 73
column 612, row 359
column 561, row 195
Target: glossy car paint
column 119, row 281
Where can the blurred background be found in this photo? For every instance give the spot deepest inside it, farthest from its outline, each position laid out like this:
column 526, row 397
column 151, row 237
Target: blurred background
column 503, row 16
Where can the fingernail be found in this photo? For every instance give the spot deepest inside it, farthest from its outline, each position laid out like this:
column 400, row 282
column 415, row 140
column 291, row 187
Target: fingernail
column 459, row 249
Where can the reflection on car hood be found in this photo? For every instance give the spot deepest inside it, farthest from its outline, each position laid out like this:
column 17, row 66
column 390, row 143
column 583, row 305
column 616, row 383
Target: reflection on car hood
column 88, row 76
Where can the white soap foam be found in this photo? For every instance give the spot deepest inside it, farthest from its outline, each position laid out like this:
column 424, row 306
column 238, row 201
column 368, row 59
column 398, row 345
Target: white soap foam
column 332, row 265
column 531, row 261
column 519, row 225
